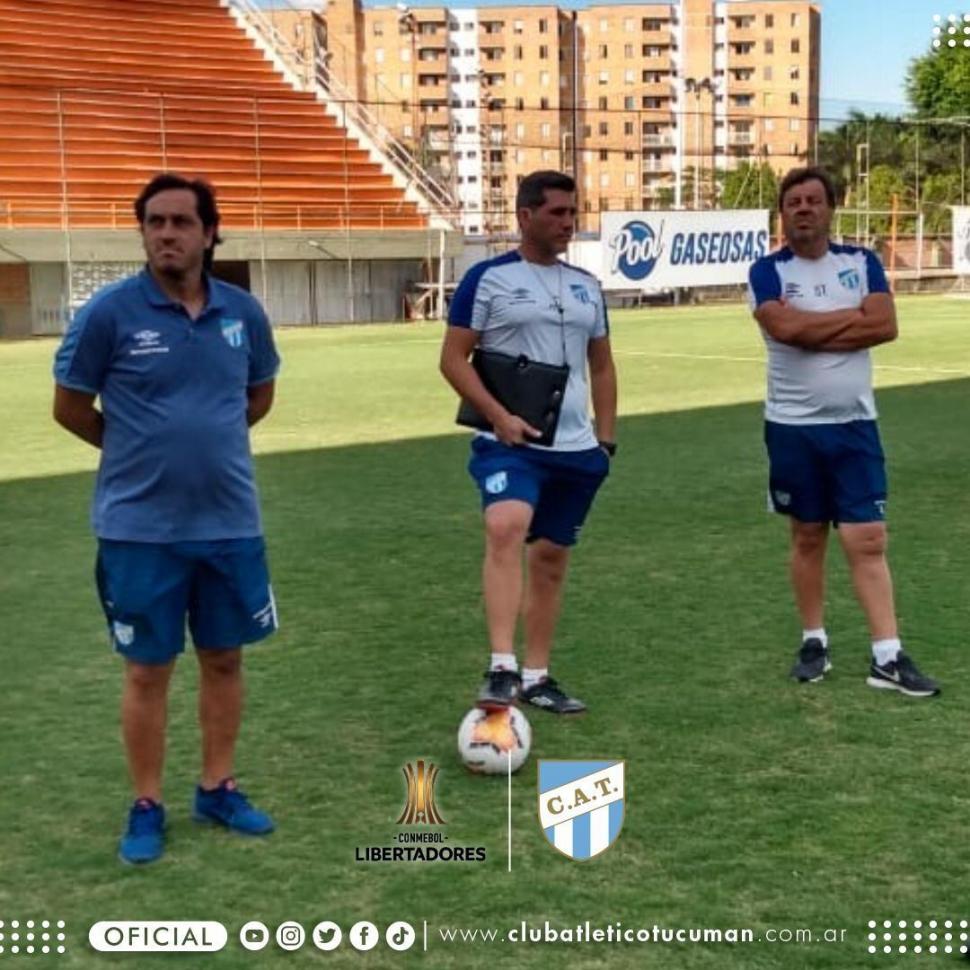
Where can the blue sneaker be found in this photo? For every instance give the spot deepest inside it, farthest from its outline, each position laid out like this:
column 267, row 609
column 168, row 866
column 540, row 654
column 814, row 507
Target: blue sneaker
column 145, row 839
column 228, row 806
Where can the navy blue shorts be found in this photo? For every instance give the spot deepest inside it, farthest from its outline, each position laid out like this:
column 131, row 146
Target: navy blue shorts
column 148, row 590
column 559, row 485
column 827, row 472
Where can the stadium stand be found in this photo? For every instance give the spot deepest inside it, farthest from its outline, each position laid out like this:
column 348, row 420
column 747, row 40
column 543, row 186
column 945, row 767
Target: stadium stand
column 95, row 98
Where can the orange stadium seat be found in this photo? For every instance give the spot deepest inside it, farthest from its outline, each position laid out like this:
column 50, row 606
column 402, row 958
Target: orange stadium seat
column 97, row 98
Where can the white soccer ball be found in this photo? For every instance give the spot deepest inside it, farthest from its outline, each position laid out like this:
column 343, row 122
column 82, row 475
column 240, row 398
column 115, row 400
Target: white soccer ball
column 487, row 740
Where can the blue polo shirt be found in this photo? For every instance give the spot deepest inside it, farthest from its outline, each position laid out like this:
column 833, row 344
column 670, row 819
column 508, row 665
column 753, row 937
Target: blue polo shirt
column 175, row 463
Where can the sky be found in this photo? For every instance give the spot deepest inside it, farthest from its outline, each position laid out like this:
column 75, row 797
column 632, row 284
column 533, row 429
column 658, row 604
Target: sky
column 866, row 46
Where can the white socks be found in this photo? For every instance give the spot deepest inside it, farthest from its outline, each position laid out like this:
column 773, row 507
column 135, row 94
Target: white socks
column 532, row 675
column 504, row 661
column 818, row 634
column 883, row 651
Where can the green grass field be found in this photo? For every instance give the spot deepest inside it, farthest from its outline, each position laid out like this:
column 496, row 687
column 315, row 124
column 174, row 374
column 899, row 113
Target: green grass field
column 750, row 801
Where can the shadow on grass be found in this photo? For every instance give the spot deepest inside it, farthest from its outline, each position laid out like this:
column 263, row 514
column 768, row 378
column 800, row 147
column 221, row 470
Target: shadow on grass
column 751, row 801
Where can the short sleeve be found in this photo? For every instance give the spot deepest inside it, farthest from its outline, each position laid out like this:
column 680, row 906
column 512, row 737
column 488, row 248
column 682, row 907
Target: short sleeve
column 764, row 283
column 602, row 327
column 264, row 361
column 85, row 353
column 469, row 306
column 876, row 281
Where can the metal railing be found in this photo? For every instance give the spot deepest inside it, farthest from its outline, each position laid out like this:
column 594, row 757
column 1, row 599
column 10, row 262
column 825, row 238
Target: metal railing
column 319, row 77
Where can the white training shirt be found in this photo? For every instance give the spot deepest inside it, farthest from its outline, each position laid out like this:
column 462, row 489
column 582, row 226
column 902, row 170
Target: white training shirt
column 811, row 386
column 513, row 303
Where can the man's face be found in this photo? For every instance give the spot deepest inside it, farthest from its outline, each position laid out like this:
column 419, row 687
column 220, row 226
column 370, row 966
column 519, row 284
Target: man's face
column 551, row 225
column 805, row 212
column 173, row 235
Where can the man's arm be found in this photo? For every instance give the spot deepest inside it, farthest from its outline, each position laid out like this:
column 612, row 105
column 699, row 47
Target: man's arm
column 802, row 328
column 75, row 411
column 878, row 325
column 602, row 383
column 260, row 397
column 457, row 347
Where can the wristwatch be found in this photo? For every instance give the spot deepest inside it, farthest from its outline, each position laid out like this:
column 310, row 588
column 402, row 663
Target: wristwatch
column 609, row 447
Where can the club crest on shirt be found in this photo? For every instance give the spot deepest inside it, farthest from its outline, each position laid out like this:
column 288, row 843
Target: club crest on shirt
column 849, row 278
column 232, row 330
column 497, row 483
column 580, row 292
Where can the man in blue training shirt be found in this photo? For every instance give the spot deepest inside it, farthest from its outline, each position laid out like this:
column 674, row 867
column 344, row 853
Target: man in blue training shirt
column 530, row 302
column 821, row 307
column 183, row 365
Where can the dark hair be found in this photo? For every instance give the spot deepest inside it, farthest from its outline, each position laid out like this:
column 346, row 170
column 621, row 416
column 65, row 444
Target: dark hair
column 799, row 175
column 205, row 204
column 532, row 189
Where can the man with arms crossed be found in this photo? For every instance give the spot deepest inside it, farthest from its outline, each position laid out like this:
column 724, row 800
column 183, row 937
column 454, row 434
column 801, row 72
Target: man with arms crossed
column 183, row 365
column 529, row 302
column 821, row 307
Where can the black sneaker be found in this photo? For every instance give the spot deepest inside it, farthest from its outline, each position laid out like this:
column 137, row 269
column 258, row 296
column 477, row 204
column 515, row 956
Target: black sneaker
column 812, row 663
column 903, row 675
column 547, row 695
column 500, row 689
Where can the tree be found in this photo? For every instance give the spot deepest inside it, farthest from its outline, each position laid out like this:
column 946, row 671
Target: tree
column 750, row 186
column 938, row 83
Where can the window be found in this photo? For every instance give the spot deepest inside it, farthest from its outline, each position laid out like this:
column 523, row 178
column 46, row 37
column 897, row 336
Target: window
column 404, row 80
column 519, row 104
column 520, row 130
column 601, row 103
column 517, row 26
column 405, row 54
column 543, row 52
column 407, row 130
column 629, row 76
column 604, row 25
column 793, row 149
column 544, row 104
column 604, row 155
column 518, row 78
column 544, row 79
column 628, row 156
column 794, row 124
column 794, row 73
column 378, row 55
column 517, row 52
column 604, row 180
column 629, row 180
column 604, row 52
column 793, row 98
column 796, row 20
column 547, row 154
column 378, row 28
column 604, row 77
column 769, row 124
column 768, row 99
column 629, row 25
column 604, row 128
column 769, row 20
column 769, row 46
column 628, row 126
column 629, row 103
column 628, row 50
column 543, row 26
column 796, row 45
column 768, row 73
column 546, row 129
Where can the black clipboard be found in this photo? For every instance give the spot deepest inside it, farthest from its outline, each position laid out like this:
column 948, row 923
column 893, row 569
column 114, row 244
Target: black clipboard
column 530, row 389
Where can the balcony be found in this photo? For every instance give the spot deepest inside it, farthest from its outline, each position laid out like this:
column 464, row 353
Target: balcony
column 656, row 140
column 738, row 138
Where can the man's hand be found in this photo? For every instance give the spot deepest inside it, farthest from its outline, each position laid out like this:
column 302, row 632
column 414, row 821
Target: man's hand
column 510, row 429
column 75, row 411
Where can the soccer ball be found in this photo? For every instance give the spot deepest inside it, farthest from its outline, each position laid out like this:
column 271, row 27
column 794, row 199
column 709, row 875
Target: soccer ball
column 488, row 739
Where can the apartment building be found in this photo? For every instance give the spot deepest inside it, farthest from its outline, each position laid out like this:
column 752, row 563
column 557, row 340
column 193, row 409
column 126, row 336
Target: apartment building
column 643, row 103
